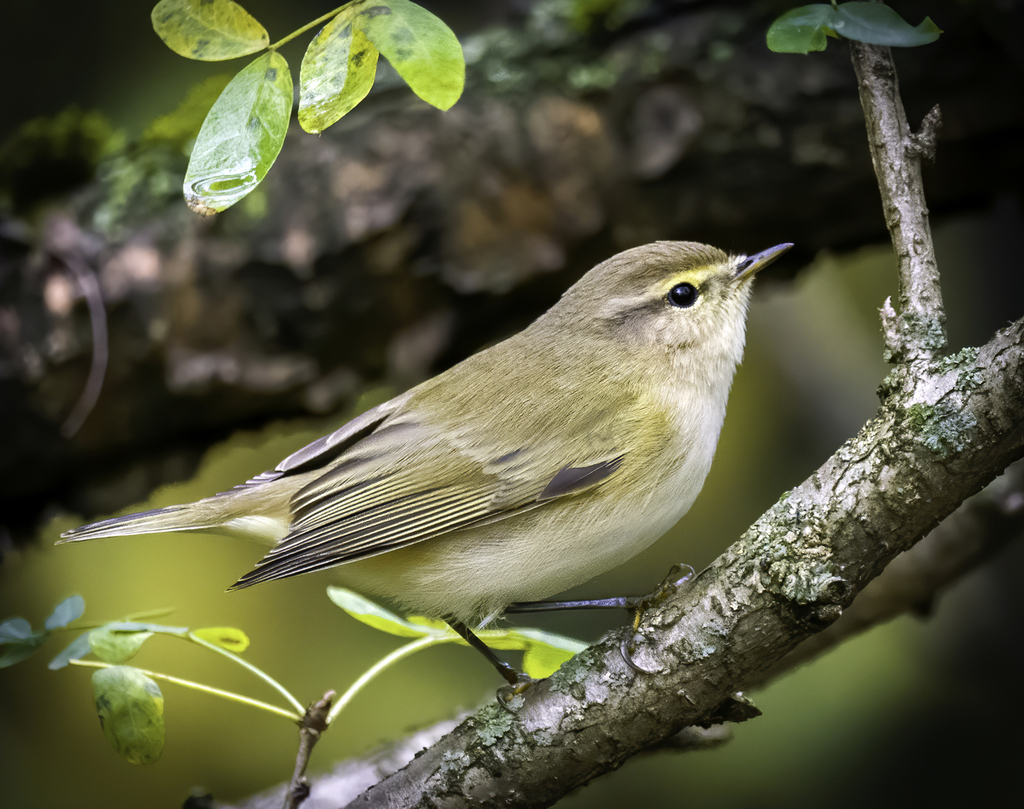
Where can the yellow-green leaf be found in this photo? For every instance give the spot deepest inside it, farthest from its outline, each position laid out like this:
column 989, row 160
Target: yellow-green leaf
column 241, row 136
column 424, row 51
column 131, row 711
column 208, row 30
column 547, row 652
column 381, row 618
column 227, row 637
column 336, row 74
column 543, row 652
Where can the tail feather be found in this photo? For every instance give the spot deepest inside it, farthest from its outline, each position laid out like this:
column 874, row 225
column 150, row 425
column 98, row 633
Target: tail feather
column 172, row 518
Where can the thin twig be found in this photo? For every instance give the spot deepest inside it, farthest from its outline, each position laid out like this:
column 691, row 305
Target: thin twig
column 314, row 723
column 213, row 647
column 917, row 331
column 206, row 689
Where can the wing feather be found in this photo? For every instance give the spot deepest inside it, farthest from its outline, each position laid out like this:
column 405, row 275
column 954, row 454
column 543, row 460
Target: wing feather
column 400, row 480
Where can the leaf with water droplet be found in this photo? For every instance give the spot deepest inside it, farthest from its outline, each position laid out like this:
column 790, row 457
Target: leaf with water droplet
column 208, row 30
column 424, row 51
column 131, row 711
column 241, row 136
column 337, row 73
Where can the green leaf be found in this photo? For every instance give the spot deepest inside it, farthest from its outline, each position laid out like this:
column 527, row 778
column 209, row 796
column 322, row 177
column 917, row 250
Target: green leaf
column 801, row 30
column 804, row 29
column 227, row 637
column 78, row 648
column 545, row 656
column 336, row 74
column 15, row 630
column 19, row 641
column 878, row 24
column 70, row 609
column 208, row 30
column 241, row 136
column 116, row 645
column 543, row 652
column 380, row 618
column 418, row 45
column 131, row 711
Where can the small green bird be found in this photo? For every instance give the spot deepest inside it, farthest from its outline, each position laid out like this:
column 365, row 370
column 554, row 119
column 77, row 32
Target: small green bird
column 528, row 468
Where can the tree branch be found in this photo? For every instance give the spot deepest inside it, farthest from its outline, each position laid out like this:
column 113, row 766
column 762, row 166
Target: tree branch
column 918, row 330
column 914, row 580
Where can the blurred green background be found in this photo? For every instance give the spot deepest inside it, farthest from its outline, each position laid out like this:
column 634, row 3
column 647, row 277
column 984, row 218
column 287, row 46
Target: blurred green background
column 911, row 712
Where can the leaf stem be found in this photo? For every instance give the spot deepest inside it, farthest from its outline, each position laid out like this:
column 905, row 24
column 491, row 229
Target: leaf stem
column 307, row 26
column 266, row 706
column 245, row 664
column 382, row 664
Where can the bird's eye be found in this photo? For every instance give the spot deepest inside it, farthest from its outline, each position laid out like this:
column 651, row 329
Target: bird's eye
column 683, row 295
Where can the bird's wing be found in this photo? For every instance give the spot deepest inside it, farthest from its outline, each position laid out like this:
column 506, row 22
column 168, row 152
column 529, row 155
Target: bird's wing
column 393, row 479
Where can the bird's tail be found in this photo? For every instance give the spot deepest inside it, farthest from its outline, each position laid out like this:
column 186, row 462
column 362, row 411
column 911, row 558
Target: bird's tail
column 172, row 518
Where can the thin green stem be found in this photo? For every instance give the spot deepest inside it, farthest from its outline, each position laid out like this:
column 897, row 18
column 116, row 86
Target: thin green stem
column 307, row 26
column 244, row 664
column 389, row 660
column 266, row 706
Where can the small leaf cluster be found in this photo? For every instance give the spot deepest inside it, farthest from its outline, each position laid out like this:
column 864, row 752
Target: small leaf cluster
column 130, row 704
column 128, row 700
column 242, row 134
column 807, row 28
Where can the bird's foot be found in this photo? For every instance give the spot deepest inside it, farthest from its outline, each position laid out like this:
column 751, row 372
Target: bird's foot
column 507, row 693
column 678, row 575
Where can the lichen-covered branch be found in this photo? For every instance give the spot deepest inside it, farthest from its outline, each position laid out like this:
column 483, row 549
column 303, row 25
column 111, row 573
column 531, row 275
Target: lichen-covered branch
column 917, row 330
column 915, row 579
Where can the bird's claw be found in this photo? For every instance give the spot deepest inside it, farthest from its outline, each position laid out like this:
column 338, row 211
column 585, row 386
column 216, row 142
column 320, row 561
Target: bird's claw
column 677, row 576
column 509, row 692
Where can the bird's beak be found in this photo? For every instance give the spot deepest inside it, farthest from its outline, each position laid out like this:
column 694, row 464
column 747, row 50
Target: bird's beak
column 754, row 264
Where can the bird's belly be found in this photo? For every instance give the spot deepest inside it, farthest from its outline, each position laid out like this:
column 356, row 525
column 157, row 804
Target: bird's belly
column 475, row 573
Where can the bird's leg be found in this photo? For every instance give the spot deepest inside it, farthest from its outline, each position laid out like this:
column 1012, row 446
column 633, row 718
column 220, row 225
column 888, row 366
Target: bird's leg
column 517, row 681
column 677, row 576
column 625, row 602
